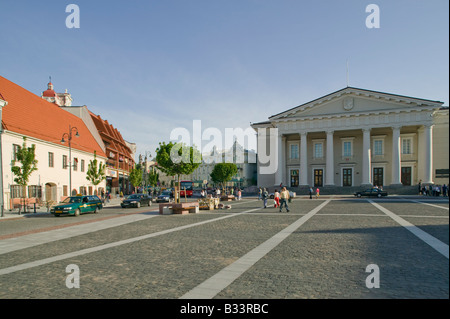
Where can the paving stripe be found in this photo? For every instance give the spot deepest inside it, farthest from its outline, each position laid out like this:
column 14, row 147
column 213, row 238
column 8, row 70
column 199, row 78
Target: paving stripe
column 215, row 284
column 427, row 238
column 416, row 201
column 26, row 241
column 41, row 262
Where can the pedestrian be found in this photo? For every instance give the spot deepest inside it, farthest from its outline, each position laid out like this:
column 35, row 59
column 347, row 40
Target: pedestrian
column 239, row 194
column 444, row 190
column 265, row 194
column 317, row 192
column 276, row 198
column 284, row 196
column 310, row 192
column 420, row 187
column 260, row 193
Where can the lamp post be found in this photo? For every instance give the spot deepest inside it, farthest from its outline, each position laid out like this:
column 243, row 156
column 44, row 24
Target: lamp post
column 69, row 138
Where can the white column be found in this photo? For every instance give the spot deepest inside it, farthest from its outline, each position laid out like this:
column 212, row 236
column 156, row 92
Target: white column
column 366, row 160
column 428, row 149
column 396, row 156
column 282, row 162
column 303, row 160
column 329, row 171
column 279, row 172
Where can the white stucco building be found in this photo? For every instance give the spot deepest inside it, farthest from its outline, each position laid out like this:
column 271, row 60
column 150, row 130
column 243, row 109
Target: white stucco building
column 45, row 124
column 356, row 137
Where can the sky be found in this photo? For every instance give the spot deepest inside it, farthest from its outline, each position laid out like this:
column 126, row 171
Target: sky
column 149, row 67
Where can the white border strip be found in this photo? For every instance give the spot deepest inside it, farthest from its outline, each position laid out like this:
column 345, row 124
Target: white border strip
column 427, row 238
column 416, row 201
column 215, row 284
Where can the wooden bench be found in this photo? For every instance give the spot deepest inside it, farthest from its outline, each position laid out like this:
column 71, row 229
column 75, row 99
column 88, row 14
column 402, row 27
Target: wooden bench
column 29, row 202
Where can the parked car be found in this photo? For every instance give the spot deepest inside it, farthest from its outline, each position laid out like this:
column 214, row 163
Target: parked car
column 136, row 200
column 372, row 192
column 164, row 197
column 77, row 205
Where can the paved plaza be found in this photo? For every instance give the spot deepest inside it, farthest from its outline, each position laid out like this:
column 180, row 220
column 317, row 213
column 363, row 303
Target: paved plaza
column 327, row 248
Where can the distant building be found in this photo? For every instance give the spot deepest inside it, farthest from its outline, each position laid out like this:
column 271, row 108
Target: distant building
column 244, row 159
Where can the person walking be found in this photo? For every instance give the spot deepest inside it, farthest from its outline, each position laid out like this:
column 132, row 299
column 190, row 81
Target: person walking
column 239, row 193
column 265, row 194
column 284, row 196
column 310, row 192
column 317, row 192
column 260, row 193
column 276, row 198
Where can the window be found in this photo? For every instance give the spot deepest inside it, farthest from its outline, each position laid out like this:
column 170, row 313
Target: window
column 50, row 159
column 406, row 146
column 347, row 148
column 75, row 164
column 293, row 151
column 16, row 149
column 82, row 165
column 378, row 147
column 65, row 190
column 17, row 191
column 34, row 191
column 318, row 150
column 64, row 162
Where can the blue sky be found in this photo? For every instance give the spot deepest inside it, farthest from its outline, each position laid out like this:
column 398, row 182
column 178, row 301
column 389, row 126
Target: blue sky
column 151, row 66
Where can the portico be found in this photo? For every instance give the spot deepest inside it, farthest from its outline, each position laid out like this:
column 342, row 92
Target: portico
column 353, row 137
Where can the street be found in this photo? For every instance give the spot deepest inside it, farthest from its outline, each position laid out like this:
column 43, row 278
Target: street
column 321, row 249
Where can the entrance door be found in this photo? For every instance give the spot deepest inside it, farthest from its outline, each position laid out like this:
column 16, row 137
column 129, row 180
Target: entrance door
column 406, row 175
column 378, row 176
column 346, row 177
column 318, row 177
column 50, row 192
column 294, row 177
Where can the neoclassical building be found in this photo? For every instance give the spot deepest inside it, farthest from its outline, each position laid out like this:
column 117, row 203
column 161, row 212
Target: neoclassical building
column 355, row 137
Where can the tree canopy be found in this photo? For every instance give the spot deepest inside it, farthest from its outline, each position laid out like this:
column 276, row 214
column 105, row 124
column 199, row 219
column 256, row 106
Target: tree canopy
column 27, row 158
column 96, row 171
column 223, row 172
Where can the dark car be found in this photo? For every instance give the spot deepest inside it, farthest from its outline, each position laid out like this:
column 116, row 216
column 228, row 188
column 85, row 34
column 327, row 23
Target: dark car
column 77, row 205
column 136, row 200
column 372, row 192
column 164, row 197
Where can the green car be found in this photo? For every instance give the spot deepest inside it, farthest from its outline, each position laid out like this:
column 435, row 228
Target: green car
column 77, row 205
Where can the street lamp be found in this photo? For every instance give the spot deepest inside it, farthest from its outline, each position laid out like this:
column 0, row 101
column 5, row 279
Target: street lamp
column 69, row 138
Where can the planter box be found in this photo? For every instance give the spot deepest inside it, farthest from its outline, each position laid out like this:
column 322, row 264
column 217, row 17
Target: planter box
column 181, row 208
column 209, row 203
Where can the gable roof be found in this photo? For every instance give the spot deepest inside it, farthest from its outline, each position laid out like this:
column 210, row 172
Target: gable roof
column 114, row 138
column 356, row 91
column 30, row 115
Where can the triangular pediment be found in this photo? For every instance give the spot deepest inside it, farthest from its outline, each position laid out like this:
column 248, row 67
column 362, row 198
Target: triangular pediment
column 355, row 101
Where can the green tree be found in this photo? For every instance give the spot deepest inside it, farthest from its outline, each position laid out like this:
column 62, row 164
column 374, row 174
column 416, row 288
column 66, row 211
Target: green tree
column 26, row 156
column 153, row 178
column 136, row 176
column 96, row 171
column 177, row 159
column 223, row 172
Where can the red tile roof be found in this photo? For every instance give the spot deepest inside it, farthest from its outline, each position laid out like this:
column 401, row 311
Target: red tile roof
column 111, row 135
column 30, row 115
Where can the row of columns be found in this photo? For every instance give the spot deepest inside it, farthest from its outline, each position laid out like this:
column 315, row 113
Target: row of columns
column 366, row 157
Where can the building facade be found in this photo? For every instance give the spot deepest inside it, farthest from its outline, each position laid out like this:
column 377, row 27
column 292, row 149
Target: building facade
column 64, row 147
column 356, row 137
